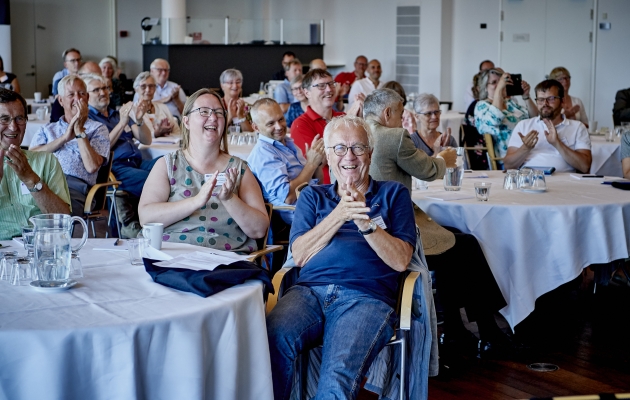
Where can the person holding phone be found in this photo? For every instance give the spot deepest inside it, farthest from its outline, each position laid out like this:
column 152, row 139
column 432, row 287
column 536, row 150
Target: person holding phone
column 496, row 112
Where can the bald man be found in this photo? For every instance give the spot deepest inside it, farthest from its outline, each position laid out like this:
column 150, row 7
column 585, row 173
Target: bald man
column 90, row 67
column 317, row 63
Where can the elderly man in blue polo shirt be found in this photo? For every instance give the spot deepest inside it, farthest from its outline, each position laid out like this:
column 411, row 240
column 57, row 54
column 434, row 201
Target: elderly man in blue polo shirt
column 81, row 145
column 128, row 165
column 277, row 162
column 352, row 240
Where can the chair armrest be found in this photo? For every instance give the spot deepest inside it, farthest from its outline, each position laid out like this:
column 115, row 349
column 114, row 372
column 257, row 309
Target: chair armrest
column 90, row 196
column 286, row 208
column 407, row 298
column 272, row 299
column 259, row 253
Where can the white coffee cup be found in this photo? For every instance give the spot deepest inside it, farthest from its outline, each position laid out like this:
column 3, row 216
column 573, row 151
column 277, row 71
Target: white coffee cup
column 153, row 231
column 38, row 96
column 444, row 108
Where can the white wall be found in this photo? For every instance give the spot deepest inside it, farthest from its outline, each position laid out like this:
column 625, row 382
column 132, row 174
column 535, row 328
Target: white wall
column 612, row 70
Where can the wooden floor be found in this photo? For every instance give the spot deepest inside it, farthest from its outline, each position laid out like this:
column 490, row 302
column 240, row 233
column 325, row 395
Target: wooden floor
column 587, row 336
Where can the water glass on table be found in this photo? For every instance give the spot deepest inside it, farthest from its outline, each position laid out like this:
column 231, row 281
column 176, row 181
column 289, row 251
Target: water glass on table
column 482, row 190
column 136, row 250
column 538, row 180
column 76, row 269
column 510, row 182
column 21, row 271
column 419, row 184
column 453, row 178
column 6, row 258
column 525, row 176
column 28, row 237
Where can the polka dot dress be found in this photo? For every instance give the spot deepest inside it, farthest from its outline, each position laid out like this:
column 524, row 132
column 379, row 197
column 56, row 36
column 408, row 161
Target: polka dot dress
column 211, row 225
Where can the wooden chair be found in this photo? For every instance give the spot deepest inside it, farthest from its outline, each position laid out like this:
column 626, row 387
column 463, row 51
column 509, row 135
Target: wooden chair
column 490, row 148
column 99, row 193
column 401, row 335
column 264, row 249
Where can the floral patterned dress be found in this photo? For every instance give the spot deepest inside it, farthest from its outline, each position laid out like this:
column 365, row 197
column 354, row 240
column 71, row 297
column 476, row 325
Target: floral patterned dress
column 211, row 225
column 499, row 123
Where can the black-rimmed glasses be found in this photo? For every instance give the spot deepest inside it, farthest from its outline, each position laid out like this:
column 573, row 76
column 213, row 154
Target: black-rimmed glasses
column 322, row 86
column 341, row 150
column 431, row 113
column 550, row 99
column 207, row 111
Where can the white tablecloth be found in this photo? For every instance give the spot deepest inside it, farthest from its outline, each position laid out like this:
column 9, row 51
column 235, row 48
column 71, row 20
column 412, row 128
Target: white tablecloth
column 536, row 242
column 32, row 126
column 606, row 157
column 119, row 335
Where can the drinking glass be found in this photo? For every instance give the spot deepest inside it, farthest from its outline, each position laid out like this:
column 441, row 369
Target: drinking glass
column 136, row 249
column 28, row 236
column 453, row 178
column 76, row 270
column 538, row 180
column 510, row 182
column 608, row 135
column 525, row 178
column 5, row 264
column 419, row 184
column 21, row 271
column 482, row 190
column 618, row 132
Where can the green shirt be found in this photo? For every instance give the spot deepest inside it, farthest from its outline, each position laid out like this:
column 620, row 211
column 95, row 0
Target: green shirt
column 16, row 208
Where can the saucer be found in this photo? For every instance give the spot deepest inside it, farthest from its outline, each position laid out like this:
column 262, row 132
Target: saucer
column 53, row 286
column 534, row 190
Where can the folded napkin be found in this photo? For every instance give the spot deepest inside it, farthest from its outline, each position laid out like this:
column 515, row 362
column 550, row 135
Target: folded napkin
column 206, row 283
column 448, row 196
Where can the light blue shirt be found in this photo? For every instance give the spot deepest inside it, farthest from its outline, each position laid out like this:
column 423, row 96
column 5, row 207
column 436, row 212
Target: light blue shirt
column 283, row 94
column 58, row 76
column 275, row 165
column 68, row 155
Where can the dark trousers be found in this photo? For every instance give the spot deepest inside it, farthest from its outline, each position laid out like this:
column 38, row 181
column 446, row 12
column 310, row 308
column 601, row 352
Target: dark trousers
column 132, row 173
column 464, row 279
column 78, row 189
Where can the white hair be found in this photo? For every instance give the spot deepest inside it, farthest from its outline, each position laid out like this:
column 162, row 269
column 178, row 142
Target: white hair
column 350, row 122
column 142, row 76
column 379, row 100
column 423, row 101
column 68, row 80
column 87, row 78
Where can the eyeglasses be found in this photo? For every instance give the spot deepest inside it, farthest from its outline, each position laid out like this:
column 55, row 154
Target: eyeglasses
column 341, row 150
column 99, row 89
column 144, row 87
column 564, row 78
column 550, row 99
column 161, row 70
column 207, row 111
column 322, row 86
column 19, row 120
column 230, row 83
column 296, row 89
column 74, row 60
column 431, row 113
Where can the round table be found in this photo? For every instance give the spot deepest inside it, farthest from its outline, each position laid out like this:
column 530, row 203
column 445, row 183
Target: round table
column 535, row 242
column 606, row 156
column 119, row 335
column 168, row 144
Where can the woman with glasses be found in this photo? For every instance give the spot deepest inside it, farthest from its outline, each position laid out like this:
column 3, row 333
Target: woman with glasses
column 237, row 110
column 573, row 108
column 428, row 138
column 299, row 107
column 495, row 112
column 158, row 117
column 109, row 69
column 202, row 194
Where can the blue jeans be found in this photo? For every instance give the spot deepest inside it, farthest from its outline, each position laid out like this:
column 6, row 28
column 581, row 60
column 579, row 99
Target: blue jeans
column 352, row 326
column 132, row 175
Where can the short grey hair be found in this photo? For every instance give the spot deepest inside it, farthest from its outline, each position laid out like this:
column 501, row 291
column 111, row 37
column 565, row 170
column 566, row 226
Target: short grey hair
column 230, row 73
column 265, row 101
column 379, row 100
column 87, row 78
column 347, row 121
column 159, row 59
column 482, row 83
column 68, row 80
column 142, row 76
column 423, row 101
column 110, row 61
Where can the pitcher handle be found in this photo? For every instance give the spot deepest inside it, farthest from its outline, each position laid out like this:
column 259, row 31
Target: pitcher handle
column 85, row 233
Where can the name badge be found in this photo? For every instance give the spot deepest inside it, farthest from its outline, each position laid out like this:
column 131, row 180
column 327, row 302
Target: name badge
column 220, row 178
column 379, row 221
column 24, row 189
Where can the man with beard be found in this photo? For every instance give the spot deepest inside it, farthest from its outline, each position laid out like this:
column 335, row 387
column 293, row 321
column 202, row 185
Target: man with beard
column 551, row 140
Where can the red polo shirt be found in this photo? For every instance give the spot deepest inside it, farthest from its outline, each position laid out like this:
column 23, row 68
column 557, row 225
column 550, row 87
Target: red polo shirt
column 306, row 127
column 344, row 77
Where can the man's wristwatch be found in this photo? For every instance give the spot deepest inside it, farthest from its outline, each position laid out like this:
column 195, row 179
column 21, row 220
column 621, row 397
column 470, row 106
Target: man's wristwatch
column 37, row 187
column 371, row 228
column 80, row 135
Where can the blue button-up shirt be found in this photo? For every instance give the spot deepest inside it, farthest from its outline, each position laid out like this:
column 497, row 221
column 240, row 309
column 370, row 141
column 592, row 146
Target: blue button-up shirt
column 283, row 93
column 125, row 147
column 275, row 165
column 68, row 155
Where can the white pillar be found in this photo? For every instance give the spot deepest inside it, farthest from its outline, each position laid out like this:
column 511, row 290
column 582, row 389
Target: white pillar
column 5, row 35
column 173, row 21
